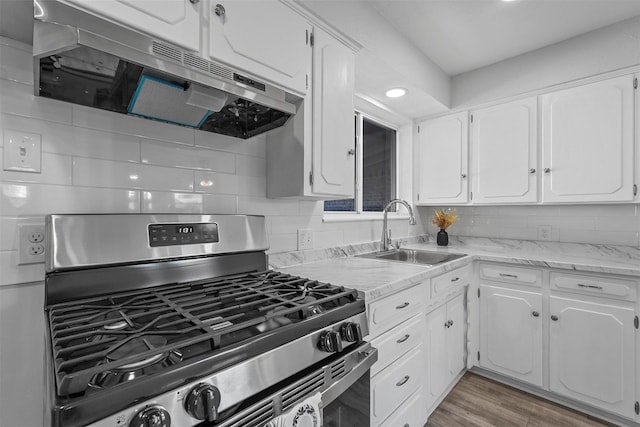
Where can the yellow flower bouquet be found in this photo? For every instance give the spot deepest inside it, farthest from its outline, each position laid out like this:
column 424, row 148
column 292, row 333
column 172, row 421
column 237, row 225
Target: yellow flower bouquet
column 443, row 220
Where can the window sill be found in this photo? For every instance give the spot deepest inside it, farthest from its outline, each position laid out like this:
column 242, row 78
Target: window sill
column 368, row 216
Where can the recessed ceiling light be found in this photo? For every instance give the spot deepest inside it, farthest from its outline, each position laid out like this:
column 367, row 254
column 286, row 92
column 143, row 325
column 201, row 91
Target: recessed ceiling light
column 396, row 92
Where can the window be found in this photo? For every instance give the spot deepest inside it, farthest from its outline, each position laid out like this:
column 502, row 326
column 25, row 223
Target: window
column 375, row 169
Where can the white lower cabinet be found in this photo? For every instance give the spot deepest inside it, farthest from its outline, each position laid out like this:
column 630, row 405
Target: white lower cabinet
column 580, row 331
column 591, row 353
column 511, row 332
column 445, row 347
column 410, row 414
column 396, row 383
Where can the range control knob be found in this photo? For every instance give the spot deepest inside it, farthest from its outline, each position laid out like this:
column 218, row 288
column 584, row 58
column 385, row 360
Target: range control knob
column 151, row 416
column 202, row 402
column 330, row 342
column 350, row 332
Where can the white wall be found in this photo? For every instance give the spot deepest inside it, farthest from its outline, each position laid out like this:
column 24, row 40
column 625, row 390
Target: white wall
column 88, row 157
column 610, row 48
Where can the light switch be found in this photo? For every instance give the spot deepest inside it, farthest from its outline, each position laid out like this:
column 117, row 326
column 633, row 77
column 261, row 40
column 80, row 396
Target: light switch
column 22, row 151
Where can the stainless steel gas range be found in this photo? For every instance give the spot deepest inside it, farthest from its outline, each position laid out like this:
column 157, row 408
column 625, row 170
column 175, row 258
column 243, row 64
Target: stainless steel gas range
column 160, row 320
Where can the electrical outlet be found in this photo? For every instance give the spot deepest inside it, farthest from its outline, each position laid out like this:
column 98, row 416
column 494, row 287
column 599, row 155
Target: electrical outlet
column 305, row 239
column 31, row 243
column 544, row 232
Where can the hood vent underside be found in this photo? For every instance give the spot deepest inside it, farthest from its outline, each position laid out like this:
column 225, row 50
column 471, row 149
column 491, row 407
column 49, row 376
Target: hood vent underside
column 103, row 65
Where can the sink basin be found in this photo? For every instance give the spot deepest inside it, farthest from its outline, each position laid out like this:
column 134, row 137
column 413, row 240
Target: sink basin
column 413, row 256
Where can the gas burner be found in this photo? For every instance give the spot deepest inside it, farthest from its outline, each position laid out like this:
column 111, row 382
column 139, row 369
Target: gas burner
column 130, row 371
column 118, row 320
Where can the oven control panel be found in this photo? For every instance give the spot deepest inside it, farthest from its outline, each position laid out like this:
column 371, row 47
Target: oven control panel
column 182, row 234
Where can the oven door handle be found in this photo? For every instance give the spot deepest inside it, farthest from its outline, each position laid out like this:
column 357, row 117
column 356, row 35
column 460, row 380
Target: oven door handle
column 367, row 356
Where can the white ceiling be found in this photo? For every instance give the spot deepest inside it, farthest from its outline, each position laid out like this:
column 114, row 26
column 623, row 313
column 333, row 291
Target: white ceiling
column 462, row 35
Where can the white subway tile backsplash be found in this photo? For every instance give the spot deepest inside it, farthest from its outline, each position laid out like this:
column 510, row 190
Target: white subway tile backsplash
column 252, row 186
column 220, row 204
column 581, row 223
column 327, row 239
column 312, row 207
column 167, row 202
column 617, row 223
column 174, row 155
column 217, row 183
column 14, row 273
column 16, row 63
column 38, row 199
column 60, row 138
column 626, row 238
column 255, row 146
column 107, row 121
column 283, row 243
column 286, row 224
column 18, row 98
column 55, row 169
column 262, row 206
column 251, row 166
column 109, row 174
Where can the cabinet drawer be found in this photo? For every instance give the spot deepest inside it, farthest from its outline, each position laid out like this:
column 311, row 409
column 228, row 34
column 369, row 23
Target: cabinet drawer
column 395, row 309
column 392, row 386
column 514, row 275
column 594, row 285
column 396, row 342
column 447, row 281
column 410, row 414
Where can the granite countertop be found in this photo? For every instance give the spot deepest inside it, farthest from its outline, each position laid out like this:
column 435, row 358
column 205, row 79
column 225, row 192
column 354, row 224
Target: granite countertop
column 377, row 278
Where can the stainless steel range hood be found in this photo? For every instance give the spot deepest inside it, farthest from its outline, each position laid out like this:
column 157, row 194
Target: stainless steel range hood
column 86, row 60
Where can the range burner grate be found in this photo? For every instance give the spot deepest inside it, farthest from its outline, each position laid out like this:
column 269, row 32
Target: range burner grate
column 118, row 332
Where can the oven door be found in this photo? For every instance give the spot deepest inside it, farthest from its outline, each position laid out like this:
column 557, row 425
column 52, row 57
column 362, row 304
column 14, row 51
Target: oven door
column 334, row 394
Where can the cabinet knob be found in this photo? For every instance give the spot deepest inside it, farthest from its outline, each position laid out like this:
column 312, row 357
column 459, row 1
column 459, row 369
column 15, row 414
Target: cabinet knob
column 554, row 318
column 535, row 314
column 194, row 1
column 547, row 170
column 464, row 176
column 351, row 152
column 532, row 171
column 219, row 10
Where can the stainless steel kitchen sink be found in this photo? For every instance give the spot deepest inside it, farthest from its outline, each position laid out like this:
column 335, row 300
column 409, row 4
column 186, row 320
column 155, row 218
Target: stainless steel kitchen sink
column 414, row 256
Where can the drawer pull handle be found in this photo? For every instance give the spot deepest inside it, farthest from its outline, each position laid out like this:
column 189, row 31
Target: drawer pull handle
column 513, row 276
column 402, row 381
column 455, row 279
column 401, row 306
column 582, row 285
column 403, row 339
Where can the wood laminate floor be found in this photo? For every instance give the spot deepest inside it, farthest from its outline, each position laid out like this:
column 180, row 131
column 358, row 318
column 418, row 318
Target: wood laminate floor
column 479, row 401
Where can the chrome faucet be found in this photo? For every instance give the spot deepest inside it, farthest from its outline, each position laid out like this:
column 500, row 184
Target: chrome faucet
column 385, row 241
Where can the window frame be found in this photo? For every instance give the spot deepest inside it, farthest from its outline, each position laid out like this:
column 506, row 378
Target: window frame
column 359, row 214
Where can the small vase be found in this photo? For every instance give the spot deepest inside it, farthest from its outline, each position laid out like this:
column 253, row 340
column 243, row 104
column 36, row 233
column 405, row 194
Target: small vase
column 443, row 238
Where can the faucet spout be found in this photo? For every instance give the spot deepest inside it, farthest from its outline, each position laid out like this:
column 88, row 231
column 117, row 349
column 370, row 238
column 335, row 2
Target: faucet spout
column 385, row 240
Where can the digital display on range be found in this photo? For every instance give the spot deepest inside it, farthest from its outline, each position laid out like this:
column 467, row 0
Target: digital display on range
column 182, row 234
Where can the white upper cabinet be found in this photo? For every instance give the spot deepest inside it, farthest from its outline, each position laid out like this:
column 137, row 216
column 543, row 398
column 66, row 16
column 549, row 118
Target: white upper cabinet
column 504, row 153
column 587, row 143
column 265, row 38
column 333, row 120
column 174, row 21
column 442, row 160
column 312, row 155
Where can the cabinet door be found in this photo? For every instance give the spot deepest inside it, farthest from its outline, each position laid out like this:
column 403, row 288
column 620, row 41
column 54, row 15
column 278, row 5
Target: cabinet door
column 504, row 153
column 591, row 354
column 587, row 142
column 333, row 122
column 175, row 21
column 511, row 333
column 265, row 38
column 437, row 363
column 442, row 160
column 455, row 336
